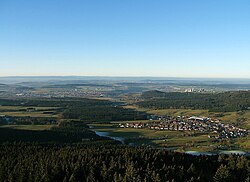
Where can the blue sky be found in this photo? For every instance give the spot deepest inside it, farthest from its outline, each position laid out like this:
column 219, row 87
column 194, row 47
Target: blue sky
column 172, row 38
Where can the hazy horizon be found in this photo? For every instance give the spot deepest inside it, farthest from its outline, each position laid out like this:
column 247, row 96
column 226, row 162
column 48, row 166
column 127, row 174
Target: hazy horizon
column 125, row 76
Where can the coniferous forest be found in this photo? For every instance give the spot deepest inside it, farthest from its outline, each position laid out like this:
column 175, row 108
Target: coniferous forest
column 32, row 162
column 214, row 102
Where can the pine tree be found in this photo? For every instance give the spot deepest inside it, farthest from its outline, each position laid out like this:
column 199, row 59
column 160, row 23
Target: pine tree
column 248, row 179
column 157, row 178
column 131, row 174
column 91, row 176
column 192, row 170
column 117, row 178
column 72, row 178
column 222, row 174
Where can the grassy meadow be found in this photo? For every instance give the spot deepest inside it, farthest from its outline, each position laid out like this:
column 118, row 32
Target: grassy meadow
column 241, row 119
column 21, row 111
column 175, row 140
column 29, row 127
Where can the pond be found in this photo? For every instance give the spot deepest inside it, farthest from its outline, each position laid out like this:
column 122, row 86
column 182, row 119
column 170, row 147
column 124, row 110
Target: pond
column 227, row 152
column 107, row 134
column 237, row 152
column 196, row 153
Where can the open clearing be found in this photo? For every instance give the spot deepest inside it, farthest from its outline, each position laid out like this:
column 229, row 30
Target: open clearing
column 29, row 127
column 160, row 138
column 20, row 111
column 241, row 119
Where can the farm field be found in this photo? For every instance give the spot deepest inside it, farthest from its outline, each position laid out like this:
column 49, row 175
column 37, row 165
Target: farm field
column 175, row 140
column 242, row 119
column 15, row 108
column 243, row 142
column 21, row 111
column 29, row 127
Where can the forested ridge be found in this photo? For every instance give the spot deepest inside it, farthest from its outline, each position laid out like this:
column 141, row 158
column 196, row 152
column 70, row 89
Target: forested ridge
column 87, row 110
column 102, row 114
column 53, row 102
column 22, row 162
column 217, row 102
column 67, row 134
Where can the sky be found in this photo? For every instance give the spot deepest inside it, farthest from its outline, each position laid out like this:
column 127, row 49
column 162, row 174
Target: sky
column 159, row 38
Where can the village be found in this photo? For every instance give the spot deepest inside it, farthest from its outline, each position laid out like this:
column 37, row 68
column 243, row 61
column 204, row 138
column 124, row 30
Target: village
column 213, row 127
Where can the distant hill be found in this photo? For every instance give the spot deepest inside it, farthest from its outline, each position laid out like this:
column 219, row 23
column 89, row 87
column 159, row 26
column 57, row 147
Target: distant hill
column 73, row 85
column 222, row 102
column 153, row 94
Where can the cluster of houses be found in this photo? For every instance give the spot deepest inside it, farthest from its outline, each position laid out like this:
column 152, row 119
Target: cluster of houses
column 214, row 128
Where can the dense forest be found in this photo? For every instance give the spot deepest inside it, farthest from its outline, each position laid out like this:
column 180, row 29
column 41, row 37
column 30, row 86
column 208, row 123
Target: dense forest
column 54, row 102
column 22, row 162
column 102, row 114
column 87, row 110
column 214, row 102
column 57, row 134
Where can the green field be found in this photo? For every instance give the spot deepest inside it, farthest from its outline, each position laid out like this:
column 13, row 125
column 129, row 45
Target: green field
column 29, row 127
column 179, row 112
column 137, row 121
column 16, row 108
column 241, row 119
column 179, row 140
column 160, row 138
column 20, row 111
column 243, row 142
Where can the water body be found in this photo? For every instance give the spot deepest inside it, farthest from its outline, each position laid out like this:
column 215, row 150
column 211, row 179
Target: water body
column 107, row 134
column 196, row 153
column 227, row 152
column 237, row 152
